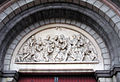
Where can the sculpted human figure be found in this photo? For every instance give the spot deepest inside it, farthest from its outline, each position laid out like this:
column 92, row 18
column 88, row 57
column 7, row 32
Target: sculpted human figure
column 28, row 49
column 39, row 41
column 63, row 46
column 81, row 48
column 86, row 56
column 45, row 44
column 71, row 49
column 61, row 55
column 74, row 41
column 30, row 46
column 89, row 54
column 56, row 51
column 57, row 48
column 39, row 50
column 62, row 42
column 81, row 41
column 22, row 52
column 56, row 40
column 39, row 45
column 26, row 52
column 32, row 41
column 48, row 47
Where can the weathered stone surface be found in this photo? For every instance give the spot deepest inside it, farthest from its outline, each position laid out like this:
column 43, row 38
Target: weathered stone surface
column 3, row 16
column 118, row 76
column 98, row 4
column 117, row 27
column 110, row 13
column 14, row 6
column 91, row 2
column 8, row 10
column 104, row 8
column 101, row 79
column 107, row 61
column 104, row 50
column 83, row 26
column 116, row 19
column 7, row 62
column 6, row 67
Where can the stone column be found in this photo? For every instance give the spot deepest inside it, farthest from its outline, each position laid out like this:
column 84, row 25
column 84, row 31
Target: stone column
column 114, row 79
column 118, row 77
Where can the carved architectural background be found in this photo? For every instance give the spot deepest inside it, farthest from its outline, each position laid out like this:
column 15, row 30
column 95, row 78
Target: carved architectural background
column 57, row 44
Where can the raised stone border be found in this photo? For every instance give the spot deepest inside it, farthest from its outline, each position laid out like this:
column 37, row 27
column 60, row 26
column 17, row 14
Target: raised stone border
column 98, row 39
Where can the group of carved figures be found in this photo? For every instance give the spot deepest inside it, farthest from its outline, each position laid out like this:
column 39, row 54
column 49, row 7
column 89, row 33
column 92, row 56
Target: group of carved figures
column 57, row 48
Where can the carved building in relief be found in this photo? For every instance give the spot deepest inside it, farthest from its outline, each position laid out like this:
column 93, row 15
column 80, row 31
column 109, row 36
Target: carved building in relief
column 59, row 47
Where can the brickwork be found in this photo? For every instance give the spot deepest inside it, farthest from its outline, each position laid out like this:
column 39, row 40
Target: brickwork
column 96, row 5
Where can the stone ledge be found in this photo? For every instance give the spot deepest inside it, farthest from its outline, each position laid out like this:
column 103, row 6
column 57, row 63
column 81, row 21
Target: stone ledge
column 12, row 74
column 115, row 69
column 102, row 73
column 107, row 73
column 99, row 73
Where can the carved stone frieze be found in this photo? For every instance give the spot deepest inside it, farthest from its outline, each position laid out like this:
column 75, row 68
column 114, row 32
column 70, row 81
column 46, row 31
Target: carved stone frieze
column 57, row 44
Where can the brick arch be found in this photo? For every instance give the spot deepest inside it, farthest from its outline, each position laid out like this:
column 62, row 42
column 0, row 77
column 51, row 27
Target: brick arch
column 17, row 19
column 102, row 7
column 104, row 51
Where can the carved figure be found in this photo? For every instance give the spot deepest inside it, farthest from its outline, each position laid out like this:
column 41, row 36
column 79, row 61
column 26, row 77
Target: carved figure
column 26, row 51
column 32, row 41
column 57, row 48
column 39, row 50
column 71, row 49
column 62, row 42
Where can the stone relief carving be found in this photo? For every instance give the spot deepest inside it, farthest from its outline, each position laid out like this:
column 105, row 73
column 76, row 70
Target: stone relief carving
column 57, row 48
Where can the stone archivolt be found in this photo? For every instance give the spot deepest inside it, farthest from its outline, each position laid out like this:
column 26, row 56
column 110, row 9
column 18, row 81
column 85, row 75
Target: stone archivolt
column 57, row 48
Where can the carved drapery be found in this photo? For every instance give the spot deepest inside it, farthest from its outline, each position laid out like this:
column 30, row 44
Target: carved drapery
column 57, row 44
